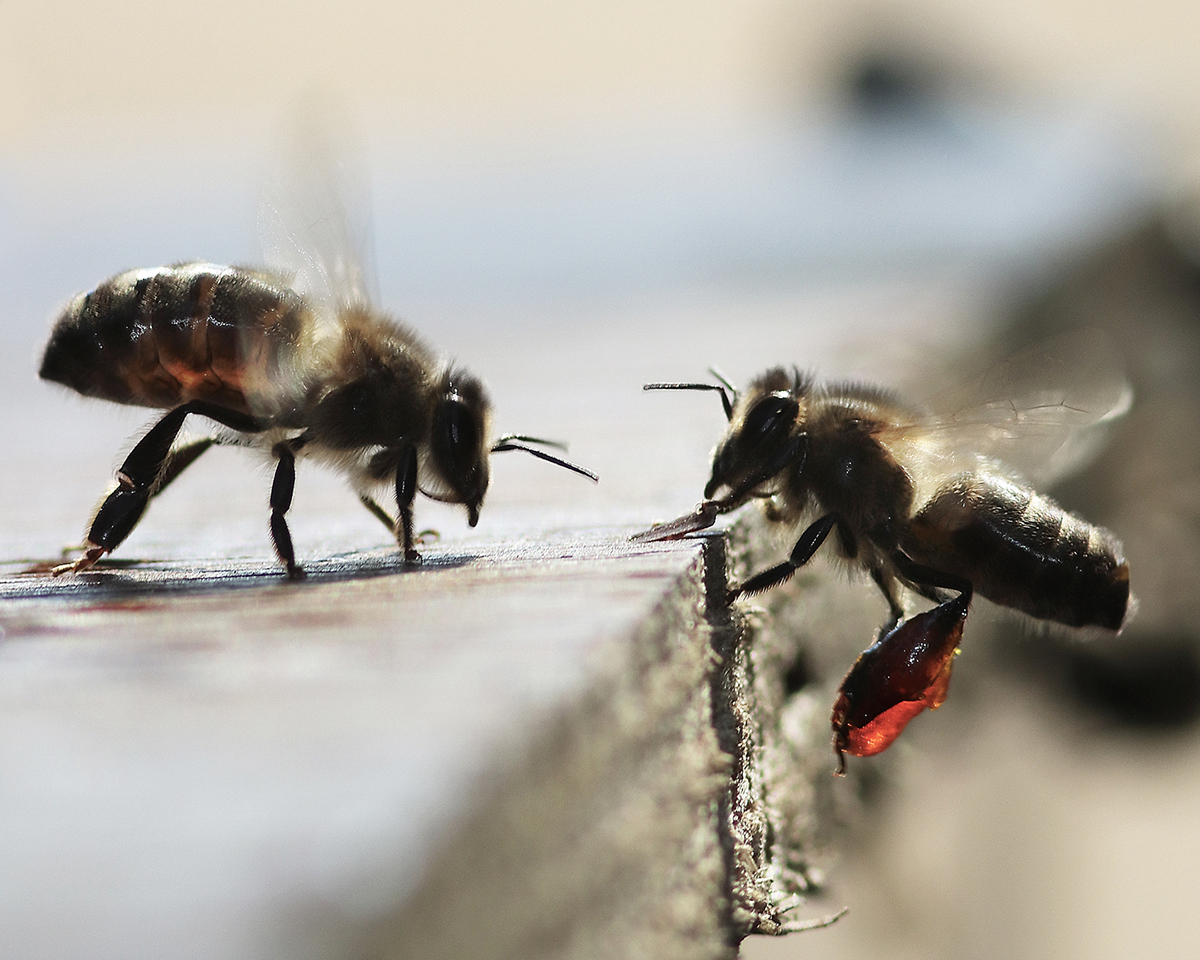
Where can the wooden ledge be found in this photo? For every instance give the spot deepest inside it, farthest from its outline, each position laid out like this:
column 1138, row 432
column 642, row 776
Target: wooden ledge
column 535, row 748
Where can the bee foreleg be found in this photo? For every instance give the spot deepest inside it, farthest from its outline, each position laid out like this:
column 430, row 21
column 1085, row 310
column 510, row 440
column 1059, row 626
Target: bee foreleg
column 810, row 541
column 282, row 488
column 406, row 492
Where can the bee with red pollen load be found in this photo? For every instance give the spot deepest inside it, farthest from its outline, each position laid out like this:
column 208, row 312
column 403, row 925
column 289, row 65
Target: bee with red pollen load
column 907, row 500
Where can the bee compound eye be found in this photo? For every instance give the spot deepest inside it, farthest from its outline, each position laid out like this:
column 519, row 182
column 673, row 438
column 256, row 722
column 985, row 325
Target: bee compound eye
column 461, row 433
column 769, row 419
column 456, row 441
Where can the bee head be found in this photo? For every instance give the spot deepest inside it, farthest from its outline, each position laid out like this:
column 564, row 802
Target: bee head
column 458, row 451
column 765, row 435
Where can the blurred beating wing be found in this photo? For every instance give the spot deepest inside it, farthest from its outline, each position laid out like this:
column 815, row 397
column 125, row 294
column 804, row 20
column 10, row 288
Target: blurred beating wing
column 1043, row 412
column 315, row 217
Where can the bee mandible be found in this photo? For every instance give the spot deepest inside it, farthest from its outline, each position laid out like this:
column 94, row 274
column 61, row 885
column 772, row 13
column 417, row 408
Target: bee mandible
column 904, row 499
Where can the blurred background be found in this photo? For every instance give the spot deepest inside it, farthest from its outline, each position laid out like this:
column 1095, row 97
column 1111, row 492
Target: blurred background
column 653, row 172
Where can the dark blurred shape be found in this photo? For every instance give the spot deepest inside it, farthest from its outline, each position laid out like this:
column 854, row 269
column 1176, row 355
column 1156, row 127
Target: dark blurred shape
column 1144, row 683
column 1143, row 289
column 1149, row 685
column 798, row 674
column 890, row 84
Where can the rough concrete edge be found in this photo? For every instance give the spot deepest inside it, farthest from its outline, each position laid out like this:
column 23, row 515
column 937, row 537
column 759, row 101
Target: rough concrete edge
column 693, row 778
column 606, row 838
column 786, row 811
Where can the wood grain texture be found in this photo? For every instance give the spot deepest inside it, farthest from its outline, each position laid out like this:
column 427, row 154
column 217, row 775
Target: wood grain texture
column 545, row 741
column 286, row 770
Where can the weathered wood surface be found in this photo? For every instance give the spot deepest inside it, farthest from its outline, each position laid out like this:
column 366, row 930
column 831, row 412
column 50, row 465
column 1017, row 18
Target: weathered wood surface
column 545, row 741
column 508, row 751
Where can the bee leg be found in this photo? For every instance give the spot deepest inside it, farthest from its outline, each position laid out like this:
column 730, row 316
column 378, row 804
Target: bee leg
column 128, row 513
column 406, row 492
column 849, row 544
column 180, row 459
column 142, row 475
column 136, row 481
column 378, row 512
column 282, row 488
column 810, row 541
column 895, row 611
column 905, row 672
column 928, row 580
column 386, row 519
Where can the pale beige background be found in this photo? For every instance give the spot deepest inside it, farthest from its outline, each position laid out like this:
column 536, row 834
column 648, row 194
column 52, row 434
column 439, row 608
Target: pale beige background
column 1008, row 837
column 522, row 68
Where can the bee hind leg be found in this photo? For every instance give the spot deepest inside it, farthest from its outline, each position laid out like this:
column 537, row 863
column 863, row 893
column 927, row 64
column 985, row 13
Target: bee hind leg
column 146, row 471
column 895, row 611
column 282, row 488
column 180, row 459
column 929, row 580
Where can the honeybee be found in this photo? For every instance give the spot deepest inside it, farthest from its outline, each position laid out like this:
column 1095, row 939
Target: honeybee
column 904, row 499
column 297, row 363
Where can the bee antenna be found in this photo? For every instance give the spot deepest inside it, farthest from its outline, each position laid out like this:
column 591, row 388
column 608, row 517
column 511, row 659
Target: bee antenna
column 724, row 388
column 725, row 382
column 522, row 438
column 517, row 442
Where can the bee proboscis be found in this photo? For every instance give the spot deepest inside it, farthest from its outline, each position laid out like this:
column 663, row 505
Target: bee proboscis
column 902, row 498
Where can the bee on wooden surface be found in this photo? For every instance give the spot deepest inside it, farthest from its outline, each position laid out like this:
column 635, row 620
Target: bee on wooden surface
column 908, row 497
column 297, row 363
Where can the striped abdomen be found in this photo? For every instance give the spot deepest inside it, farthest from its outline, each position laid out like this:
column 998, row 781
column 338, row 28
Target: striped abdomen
column 166, row 335
column 1022, row 550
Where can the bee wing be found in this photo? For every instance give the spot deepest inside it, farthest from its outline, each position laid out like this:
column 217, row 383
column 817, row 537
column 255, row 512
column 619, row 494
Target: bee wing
column 1043, row 412
column 315, row 216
